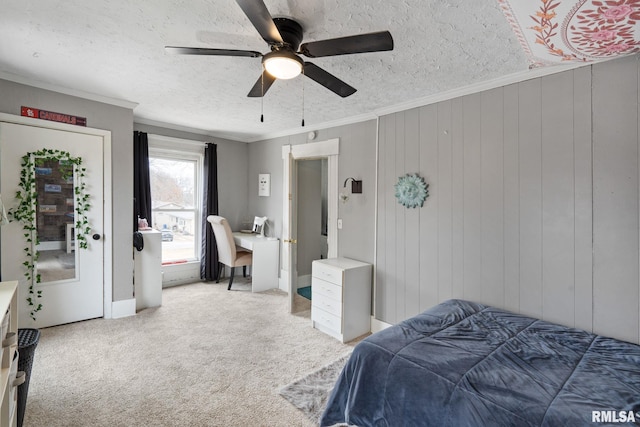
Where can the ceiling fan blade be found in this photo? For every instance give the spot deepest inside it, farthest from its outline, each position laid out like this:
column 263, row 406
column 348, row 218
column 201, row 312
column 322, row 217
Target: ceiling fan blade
column 371, row 42
column 328, row 80
column 208, row 51
column 260, row 17
column 262, row 85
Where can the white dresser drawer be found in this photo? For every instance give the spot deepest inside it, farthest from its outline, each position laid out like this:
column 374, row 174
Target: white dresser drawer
column 329, row 305
column 16, row 378
column 8, row 343
column 327, row 320
column 327, row 289
column 328, row 273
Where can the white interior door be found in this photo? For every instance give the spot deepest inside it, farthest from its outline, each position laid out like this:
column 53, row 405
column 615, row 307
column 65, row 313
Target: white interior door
column 72, row 279
column 289, row 272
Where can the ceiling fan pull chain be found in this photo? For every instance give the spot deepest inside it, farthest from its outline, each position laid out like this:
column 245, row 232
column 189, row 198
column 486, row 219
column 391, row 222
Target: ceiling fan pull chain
column 262, row 97
column 302, row 97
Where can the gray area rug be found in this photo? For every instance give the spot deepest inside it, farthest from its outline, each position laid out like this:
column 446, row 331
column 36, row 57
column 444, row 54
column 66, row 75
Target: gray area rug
column 310, row 393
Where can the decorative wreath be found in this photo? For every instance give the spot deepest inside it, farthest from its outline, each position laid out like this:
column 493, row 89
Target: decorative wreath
column 411, row 190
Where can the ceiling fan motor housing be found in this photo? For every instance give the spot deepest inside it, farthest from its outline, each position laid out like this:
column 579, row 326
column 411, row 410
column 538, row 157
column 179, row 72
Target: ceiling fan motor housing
column 290, row 31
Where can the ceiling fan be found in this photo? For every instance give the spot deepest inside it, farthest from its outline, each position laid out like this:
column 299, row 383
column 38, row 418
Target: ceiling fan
column 284, row 35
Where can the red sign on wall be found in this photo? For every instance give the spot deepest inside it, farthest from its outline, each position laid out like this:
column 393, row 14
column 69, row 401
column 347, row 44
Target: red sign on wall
column 54, row 117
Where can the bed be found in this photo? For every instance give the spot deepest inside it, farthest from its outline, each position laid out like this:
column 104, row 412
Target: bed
column 466, row 364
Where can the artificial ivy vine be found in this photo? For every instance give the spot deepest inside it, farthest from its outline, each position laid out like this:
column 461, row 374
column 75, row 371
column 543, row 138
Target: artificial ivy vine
column 26, row 210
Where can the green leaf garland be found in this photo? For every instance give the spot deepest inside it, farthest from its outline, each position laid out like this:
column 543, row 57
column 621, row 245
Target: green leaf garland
column 25, row 212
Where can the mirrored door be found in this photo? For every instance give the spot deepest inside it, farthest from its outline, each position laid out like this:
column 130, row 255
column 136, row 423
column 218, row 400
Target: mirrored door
column 55, row 220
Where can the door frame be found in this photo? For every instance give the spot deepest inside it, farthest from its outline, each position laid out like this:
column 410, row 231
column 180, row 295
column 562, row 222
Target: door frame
column 107, row 233
column 329, row 149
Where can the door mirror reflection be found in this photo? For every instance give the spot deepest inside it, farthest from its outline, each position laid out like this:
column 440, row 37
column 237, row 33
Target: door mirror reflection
column 55, row 219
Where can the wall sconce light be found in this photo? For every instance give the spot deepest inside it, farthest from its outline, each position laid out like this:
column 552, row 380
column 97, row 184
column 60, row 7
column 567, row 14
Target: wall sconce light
column 356, row 188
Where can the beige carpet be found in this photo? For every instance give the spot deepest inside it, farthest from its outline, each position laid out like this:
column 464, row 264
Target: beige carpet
column 207, row 357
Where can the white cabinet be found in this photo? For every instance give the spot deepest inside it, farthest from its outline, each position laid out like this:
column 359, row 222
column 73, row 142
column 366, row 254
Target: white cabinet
column 148, row 271
column 9, row 376
column 341, row 297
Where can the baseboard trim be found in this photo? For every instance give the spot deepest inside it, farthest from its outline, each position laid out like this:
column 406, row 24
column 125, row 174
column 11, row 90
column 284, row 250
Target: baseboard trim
column 283, row 282
column 304, row 281
column 378, row 325
column 123, row 308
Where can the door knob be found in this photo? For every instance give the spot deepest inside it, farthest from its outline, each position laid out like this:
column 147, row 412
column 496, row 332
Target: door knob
column 96, row 236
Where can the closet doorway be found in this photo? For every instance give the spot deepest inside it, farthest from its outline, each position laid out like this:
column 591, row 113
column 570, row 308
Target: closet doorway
column 312, row 215
column 291, row 155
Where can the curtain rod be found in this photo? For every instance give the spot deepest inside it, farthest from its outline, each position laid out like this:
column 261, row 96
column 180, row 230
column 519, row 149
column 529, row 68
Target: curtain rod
column 174, row 140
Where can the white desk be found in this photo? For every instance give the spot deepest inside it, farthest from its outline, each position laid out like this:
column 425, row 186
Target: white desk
column 266, row 259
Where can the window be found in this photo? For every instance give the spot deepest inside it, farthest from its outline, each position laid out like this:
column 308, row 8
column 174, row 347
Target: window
column 175, row 201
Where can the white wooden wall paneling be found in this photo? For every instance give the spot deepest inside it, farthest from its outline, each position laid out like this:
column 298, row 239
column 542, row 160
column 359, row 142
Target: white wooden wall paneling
column 558, row 231
column 534, row 201
column 583, row 199
column 429, row 213
column 401, row 228
column 615, row 198
column 457, row 198
column 444, row 218
column 511, row 158
column 492, row 187
column 412, row 216
column 529, row 125
column 472, row 198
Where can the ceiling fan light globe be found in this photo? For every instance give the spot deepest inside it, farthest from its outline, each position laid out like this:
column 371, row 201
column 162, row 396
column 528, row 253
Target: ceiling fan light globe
column 282, row 65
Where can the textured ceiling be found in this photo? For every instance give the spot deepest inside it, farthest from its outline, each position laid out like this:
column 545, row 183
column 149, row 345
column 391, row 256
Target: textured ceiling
column 115, row 48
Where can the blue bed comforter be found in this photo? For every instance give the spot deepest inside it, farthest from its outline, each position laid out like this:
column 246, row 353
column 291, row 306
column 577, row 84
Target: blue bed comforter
column 466, row 364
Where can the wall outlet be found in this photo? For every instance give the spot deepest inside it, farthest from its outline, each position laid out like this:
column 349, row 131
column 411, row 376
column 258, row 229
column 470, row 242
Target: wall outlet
column 339, row 224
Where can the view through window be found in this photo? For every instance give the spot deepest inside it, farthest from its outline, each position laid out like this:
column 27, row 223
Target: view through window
column 174, row 201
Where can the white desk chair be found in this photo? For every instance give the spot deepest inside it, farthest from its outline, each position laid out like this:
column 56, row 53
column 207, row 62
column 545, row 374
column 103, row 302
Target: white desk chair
column 227, row 252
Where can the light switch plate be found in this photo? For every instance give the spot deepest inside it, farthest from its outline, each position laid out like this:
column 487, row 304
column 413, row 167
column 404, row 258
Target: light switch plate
column 264, row 184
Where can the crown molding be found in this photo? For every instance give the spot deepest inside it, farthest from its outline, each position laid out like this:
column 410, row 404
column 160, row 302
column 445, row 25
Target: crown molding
column 479, row 87
column 263, row 136
column 318, row 126
column 374, row 115
column 187, row 129
column 67, row 91
column 427, row 100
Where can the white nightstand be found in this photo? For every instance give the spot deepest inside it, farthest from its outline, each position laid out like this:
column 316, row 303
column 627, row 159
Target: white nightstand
column 341, row 297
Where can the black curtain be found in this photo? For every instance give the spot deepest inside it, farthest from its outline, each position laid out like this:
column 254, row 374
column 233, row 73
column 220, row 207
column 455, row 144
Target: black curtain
column 209, row 258
column 141, row 184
